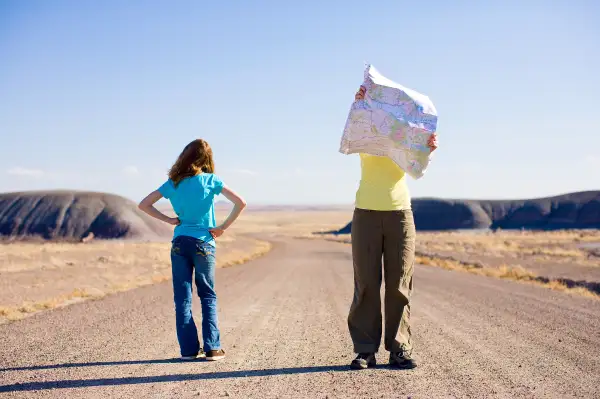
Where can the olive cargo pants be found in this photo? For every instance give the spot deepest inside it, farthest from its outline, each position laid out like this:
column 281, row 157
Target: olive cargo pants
column 391, row 235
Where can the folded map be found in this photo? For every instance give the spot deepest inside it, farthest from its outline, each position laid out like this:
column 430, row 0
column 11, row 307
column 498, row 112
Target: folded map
column 391, row 121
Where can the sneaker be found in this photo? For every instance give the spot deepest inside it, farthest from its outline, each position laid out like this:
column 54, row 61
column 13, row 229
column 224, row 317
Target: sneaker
column 215, row 355
column 364, row 361
column 402, row 360
column 200, row 355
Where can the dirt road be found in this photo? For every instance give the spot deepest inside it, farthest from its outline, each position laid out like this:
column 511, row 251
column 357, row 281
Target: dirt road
column 283, row 321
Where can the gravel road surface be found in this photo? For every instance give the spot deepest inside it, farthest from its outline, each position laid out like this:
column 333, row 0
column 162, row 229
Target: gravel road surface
column 283, row 324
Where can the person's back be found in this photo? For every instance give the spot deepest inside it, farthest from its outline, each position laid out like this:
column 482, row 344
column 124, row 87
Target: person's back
column 382, row 228
column 193, row 202
column 382, row 185
column 191, row 188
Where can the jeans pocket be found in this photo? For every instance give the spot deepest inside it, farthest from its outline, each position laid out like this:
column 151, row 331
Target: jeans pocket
column 205, row 249
column 175, row 249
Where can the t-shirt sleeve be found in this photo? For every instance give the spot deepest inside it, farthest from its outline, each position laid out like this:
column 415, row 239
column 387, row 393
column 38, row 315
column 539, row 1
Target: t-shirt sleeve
column 217, row 185
column 167, row 189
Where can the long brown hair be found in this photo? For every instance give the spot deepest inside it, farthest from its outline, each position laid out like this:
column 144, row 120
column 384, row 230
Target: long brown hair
column 196, row 157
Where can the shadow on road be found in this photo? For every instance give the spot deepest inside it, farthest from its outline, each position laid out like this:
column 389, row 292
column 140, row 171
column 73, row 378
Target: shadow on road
column 93, row 364
column 42, row 385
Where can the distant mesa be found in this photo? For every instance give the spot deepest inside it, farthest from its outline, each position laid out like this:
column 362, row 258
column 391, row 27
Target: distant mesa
column 579, row 210
column 75, row 216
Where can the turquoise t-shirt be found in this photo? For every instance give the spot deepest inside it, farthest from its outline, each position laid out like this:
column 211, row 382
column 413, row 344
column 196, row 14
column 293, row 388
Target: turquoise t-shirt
column 193, row 203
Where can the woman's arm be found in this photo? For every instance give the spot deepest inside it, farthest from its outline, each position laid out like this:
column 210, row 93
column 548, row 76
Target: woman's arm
column 238, row 206
column 147, row 205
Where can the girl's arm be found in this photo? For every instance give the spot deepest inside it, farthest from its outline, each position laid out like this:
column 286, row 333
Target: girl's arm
column 238, row 206
column 147, row 205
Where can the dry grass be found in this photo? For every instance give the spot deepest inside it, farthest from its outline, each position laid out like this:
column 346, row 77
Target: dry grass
column 450, row 242
column 290, row 223
column 27, row 308
column 236, row 257
column 39, row 277
column 341, row 238
column 556, row 246
column 43, row 275
column 514, row 273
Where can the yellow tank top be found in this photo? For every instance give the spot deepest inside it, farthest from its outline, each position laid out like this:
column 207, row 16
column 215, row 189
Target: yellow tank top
column 382, row 185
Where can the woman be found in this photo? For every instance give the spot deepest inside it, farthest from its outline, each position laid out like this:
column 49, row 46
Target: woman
column 191, row 189
column 382, row 226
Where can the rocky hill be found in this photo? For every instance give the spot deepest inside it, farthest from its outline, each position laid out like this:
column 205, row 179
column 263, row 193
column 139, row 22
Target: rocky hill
column 71, row 215
column 579, row 210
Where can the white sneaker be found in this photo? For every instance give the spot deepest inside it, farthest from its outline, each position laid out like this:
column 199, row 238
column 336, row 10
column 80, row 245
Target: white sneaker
column 200, row 355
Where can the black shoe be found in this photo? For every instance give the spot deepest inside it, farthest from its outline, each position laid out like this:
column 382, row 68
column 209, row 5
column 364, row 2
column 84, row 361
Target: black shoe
column 363, row 361
column 402, row 360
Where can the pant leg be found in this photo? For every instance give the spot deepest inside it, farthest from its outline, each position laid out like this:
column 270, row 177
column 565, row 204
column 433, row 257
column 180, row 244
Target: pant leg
column 399, row 236
column 364, row 319
column 205, row 263
column 182, row 269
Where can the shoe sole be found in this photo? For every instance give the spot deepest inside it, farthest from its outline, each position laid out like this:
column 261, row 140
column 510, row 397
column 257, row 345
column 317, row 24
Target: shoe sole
column 190, row 358
column 215, row 358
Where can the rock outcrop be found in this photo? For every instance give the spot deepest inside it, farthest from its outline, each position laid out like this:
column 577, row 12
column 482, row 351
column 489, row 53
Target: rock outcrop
column 579, row 210
column 75, row 216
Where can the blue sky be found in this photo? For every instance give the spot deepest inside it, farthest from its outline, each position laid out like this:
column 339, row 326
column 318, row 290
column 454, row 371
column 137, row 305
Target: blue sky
column 103, row 95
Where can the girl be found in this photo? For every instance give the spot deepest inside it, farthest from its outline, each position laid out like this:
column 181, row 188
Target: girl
column 382, row 226
column 191, row 189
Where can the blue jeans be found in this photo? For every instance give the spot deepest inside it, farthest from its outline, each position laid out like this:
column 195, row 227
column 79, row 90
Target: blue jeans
column 187, row 254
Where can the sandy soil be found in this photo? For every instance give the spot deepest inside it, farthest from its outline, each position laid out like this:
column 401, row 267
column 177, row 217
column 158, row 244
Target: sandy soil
column 290, row 222
column 36, row 277
column 283, row 322
column 39, row 276
column 569, row 256
column 558, row 254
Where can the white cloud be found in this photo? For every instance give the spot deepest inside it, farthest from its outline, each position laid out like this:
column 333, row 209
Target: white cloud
column 25, row 172
column 299, row 172
column 246, row 172
column 131, row 171
column 592, row 160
